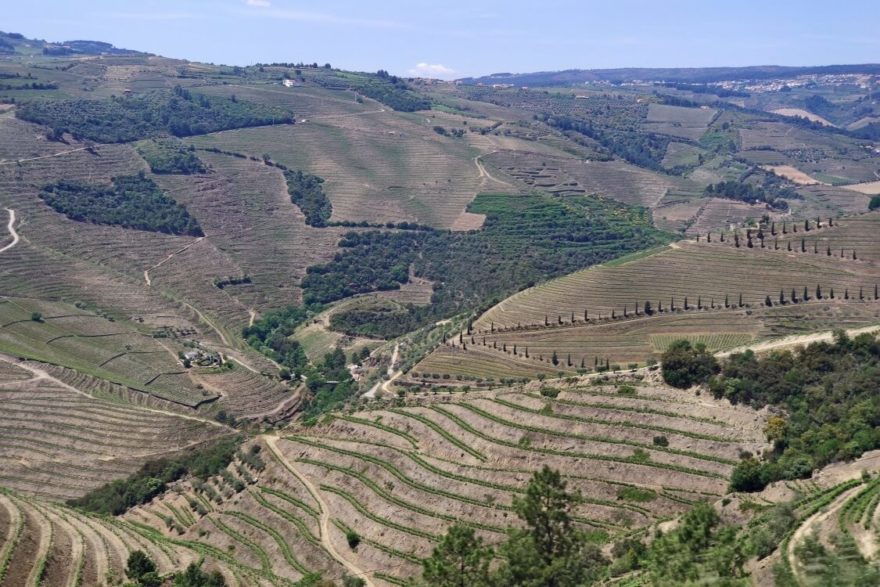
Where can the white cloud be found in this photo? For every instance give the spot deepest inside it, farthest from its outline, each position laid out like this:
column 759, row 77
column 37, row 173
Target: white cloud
column 258, row 3
column 437, row 70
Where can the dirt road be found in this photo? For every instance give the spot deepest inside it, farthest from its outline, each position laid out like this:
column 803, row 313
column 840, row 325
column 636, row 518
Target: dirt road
column 168, row 258
column 796, row 340
column 272, row 442
column 11, row 228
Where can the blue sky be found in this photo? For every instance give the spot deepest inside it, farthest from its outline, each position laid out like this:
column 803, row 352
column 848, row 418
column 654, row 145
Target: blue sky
column 454, row 38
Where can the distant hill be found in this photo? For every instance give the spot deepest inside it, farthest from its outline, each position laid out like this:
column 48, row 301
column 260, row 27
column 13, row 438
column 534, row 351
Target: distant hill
column 12, row 43
column 680, row 74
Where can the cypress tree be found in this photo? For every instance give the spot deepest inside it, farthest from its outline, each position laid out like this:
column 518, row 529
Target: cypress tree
column 854, row 255
column 831, row 293
column 568, row 361
column 773, row 228
column 586, row 316
column 803, row 246
column 554, row 359
column 492, row 327
column 527, row 352
column 816, row 247
column 726, row 301
column 768, row 301
column 876, row 292
column 775, row 244
column 559, row 318
column 582, row 363
column 686, row 307
column 736, row 239
column 784, row 228
column 861, row 293
column 648, row 310
column 708, row 237
column 829, row 250
column 846, row 294
column 546, row 323
column 740, row 300
column 806, row 225
column 722, row 237
column 789, row 245
column 463, row 346
column 806, row 294
column 612, row 314
column 830, row 221
column 699, row 303
column 672, row 304
column 624, row 311
column 504, row 347
column 781, row 297
column 572, row 317
column 818, row 292
column 794, row 298
column 818, row 222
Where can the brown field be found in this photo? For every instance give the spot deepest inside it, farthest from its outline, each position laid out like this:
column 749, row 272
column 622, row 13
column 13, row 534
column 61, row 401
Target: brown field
column 799, row 112
column 688, row 123
column 792, row 174
column 871, row 188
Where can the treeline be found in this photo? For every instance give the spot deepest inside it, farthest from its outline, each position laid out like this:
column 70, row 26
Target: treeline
column 167, row 156
column 306, row 192
column 392, row 91
column 752, row 194
column 153, row 478
column 525, row 239
column 644, row 149
column 827, row 391
column 133, row 201
column 129, row 118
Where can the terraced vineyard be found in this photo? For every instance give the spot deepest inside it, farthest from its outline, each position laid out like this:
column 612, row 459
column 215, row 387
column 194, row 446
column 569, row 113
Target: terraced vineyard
column 60, row 442
column 378, row 166
column 399, row 476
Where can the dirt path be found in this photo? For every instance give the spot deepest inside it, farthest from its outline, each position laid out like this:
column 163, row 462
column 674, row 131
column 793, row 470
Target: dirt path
column 326, row 116
column 252, row 316
column 45, row 543
column 392, row 375
column 272, row 441
column 484, row 173
column 168, row 258
column 40, row 374
column 11, row 228
column 810, row 523
column 59, row 154
column 797, row 340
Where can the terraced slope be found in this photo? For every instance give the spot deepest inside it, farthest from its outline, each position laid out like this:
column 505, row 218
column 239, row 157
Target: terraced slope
column 59, row 441
column 378, row 165
column 399, row 476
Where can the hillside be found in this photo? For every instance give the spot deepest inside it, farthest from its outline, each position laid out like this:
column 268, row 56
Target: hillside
column 296, row 325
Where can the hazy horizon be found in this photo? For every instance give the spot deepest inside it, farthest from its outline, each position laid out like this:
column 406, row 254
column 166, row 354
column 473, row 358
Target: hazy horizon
column 459, row 40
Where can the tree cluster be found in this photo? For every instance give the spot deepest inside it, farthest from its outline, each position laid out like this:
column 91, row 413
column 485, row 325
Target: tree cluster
column 121, row 119
column 132, row 201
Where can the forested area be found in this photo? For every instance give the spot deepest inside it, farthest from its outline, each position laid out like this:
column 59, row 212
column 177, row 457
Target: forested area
column 524, row 240
column 773, row 194
column 171, row 156
column 641, row 148
column 128, row 118
column 826, row 391
column 307, row 193
column 132, row 201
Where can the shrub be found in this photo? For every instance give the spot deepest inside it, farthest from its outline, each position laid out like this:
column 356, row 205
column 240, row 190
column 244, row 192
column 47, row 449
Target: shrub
column 550, row 392
column 37, row 316
column 874, row 204
column 684, row 365
column 661, row 441
column 353, row 538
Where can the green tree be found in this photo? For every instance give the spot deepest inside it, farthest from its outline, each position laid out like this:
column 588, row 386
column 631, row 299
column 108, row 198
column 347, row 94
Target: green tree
column 874, row 204
column 194, row 576
column 460, row 560
column 685, row 365
column 142, row 570
column 550, row 551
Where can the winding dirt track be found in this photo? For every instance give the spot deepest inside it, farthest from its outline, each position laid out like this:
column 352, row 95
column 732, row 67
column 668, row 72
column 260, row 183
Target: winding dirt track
column 272, row 441
column 11, row 228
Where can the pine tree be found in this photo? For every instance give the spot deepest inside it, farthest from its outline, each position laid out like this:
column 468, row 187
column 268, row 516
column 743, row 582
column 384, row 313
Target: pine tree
column 459, row 559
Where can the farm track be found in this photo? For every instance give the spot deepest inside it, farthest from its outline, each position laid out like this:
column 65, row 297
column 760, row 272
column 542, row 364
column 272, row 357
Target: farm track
column 325, row 519
column 40, row 374
column 795, row 341
column 11, row 228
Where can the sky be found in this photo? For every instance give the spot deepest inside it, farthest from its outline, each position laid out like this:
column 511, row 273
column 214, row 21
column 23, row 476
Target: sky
column 453, row 38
